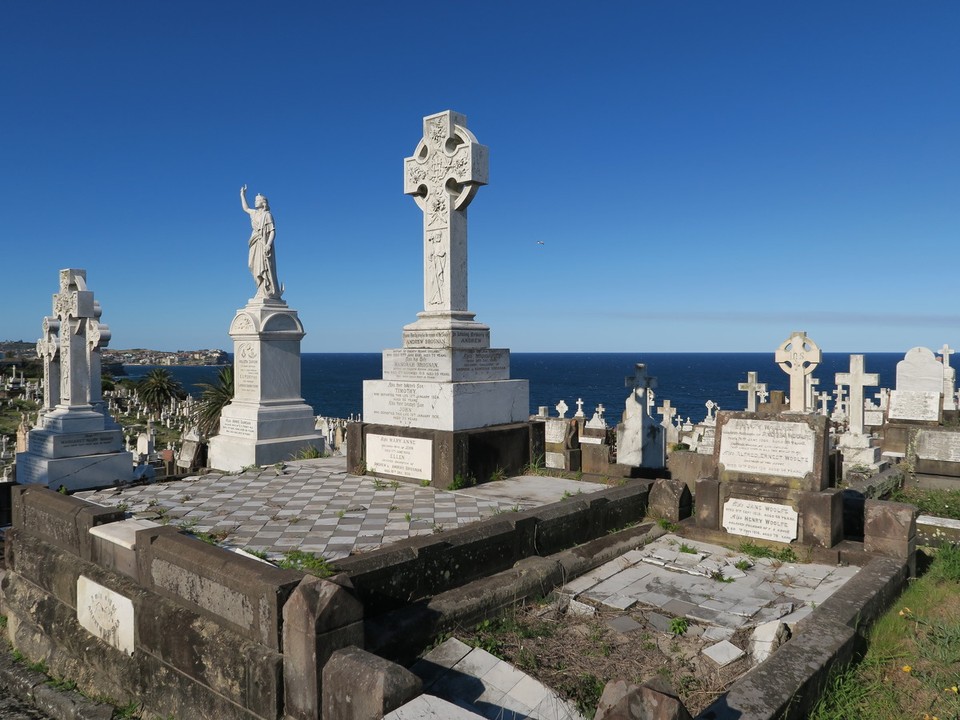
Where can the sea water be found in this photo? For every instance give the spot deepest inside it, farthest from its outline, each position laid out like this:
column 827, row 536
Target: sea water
column 332, row 383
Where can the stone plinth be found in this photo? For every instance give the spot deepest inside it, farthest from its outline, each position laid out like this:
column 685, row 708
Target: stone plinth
column 267, row 421
column 446, row 383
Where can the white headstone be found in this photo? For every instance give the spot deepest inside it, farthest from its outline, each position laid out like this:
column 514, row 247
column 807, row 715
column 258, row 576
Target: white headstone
column 920, row 370
column 856, row 379
column 798, row 356
column 752, row 388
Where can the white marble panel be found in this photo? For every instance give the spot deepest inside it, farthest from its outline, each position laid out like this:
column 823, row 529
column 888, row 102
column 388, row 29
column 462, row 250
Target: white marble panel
column 769, row 521
column 106, row 614
column 914, row 405
column 403, row 456
column 446, row 364
column 941, row 446
column 767, row 447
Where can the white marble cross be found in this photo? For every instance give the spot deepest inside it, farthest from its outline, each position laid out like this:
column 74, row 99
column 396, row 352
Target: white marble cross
column 752, row 388
column 823, row 398
column 443, row 175
column 838, row 407
column 856, row 380
column 48, row 349
column 762, row 395
column 667, row 411
column 562, row 409
column 812, row 383
column 712, row 408
column 949, row 379
column 883, row 397
column 72, row 306
column 579, row 413
column 946, row 351
column 798, row 356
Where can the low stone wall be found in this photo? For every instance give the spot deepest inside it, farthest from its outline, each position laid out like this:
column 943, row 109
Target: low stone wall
column 421, row 567
column 152, row 615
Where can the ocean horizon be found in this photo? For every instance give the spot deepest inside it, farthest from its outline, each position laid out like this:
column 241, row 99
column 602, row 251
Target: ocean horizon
column 332, row 383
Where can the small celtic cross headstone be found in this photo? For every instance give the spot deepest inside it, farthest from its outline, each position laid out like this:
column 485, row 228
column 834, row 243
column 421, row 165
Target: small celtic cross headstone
column 443, row 175
column 798, row 356
column 562, row 409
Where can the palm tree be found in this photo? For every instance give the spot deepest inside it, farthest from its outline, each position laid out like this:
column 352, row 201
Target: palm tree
column 213, row 398
column 157, row 388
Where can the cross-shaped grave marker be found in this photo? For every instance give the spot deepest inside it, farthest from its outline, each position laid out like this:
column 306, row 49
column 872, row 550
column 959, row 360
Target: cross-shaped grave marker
column 667, row 411
column 72, row 306
column 949, row 379
column 562, row 409
column 812, row 383
column 856, row 380
column 823, row 398
column 839, row 406
column 752, row 388
column 798, row 356
column 443, row 175
column 579, row 413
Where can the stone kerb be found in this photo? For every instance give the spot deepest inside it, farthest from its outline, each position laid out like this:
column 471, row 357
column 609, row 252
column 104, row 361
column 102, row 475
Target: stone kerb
column 243, row 593
column 789, row 451
column 420, row 567
column 59, row 519
column 320, row 618
column 202, row 669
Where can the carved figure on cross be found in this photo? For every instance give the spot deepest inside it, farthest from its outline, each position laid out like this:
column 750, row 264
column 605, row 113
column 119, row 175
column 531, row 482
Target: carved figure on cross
column 443, row 176
column 798, row 356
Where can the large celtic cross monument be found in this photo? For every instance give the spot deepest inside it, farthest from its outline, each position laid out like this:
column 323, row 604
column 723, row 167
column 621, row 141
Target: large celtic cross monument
column 446, row 379
column 443, row 176
column 798, row 356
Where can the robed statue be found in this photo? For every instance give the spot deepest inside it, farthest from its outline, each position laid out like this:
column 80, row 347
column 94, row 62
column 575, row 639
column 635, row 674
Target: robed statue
column 262, row 259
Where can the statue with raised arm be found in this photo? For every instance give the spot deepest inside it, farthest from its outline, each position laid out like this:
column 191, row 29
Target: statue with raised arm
column 262, row 259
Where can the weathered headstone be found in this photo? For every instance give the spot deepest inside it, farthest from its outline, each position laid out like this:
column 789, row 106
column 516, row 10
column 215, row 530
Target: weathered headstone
column 75, row 445
column 267, row 421
column 640, row 439
column 446, row 379
column 772, row 479
column 752, row 388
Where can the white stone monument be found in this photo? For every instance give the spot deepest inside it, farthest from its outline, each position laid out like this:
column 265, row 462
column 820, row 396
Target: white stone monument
column 446, row 377
column 798, row 356
column 919, row 392
column 640, row 438
column 267, row 421
column 752, row 388
column 857, row 448
column 76, row 444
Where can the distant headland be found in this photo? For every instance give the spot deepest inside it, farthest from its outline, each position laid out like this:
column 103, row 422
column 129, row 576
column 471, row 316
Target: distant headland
column 14, row 349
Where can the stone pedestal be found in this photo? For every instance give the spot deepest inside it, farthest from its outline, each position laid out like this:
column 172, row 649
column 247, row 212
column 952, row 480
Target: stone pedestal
column 267, row 421
column 446, row 399
column 859, row 450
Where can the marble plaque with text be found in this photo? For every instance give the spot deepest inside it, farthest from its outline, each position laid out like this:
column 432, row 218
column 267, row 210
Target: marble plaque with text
column 402, row 456
column 914, row 405
column 767, row 447
column 942, row 446
column 769, row 521
column 106, row 614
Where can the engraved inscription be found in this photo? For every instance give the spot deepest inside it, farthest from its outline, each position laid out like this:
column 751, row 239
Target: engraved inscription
column 555, row 431
column 204, row 593
column 247, row 364
column 769, row 521
column 106, row 614
column 403, row 456
column 554, row 460
column 238, row 427
column 914, row 405
column 767, row 447
column 405, row 403
column 942, row 446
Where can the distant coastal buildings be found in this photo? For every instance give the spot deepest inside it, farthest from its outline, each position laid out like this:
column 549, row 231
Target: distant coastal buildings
column 16, row 350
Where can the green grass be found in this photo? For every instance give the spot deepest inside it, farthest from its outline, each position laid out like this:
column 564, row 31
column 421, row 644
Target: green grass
column 306, row 562
column 762, row 551
column 911, row 668
column 942, row 503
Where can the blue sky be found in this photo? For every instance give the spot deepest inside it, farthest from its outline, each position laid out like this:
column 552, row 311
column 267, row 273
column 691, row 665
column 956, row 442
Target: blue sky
column 704, row 176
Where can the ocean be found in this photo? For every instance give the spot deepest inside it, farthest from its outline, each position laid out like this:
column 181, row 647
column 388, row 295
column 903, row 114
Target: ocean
column 332, row 383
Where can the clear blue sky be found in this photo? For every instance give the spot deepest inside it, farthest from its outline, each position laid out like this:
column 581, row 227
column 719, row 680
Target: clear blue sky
column 704, row 176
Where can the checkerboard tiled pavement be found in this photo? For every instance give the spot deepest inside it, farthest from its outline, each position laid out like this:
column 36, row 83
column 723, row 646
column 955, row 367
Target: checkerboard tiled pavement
column 312, row 505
